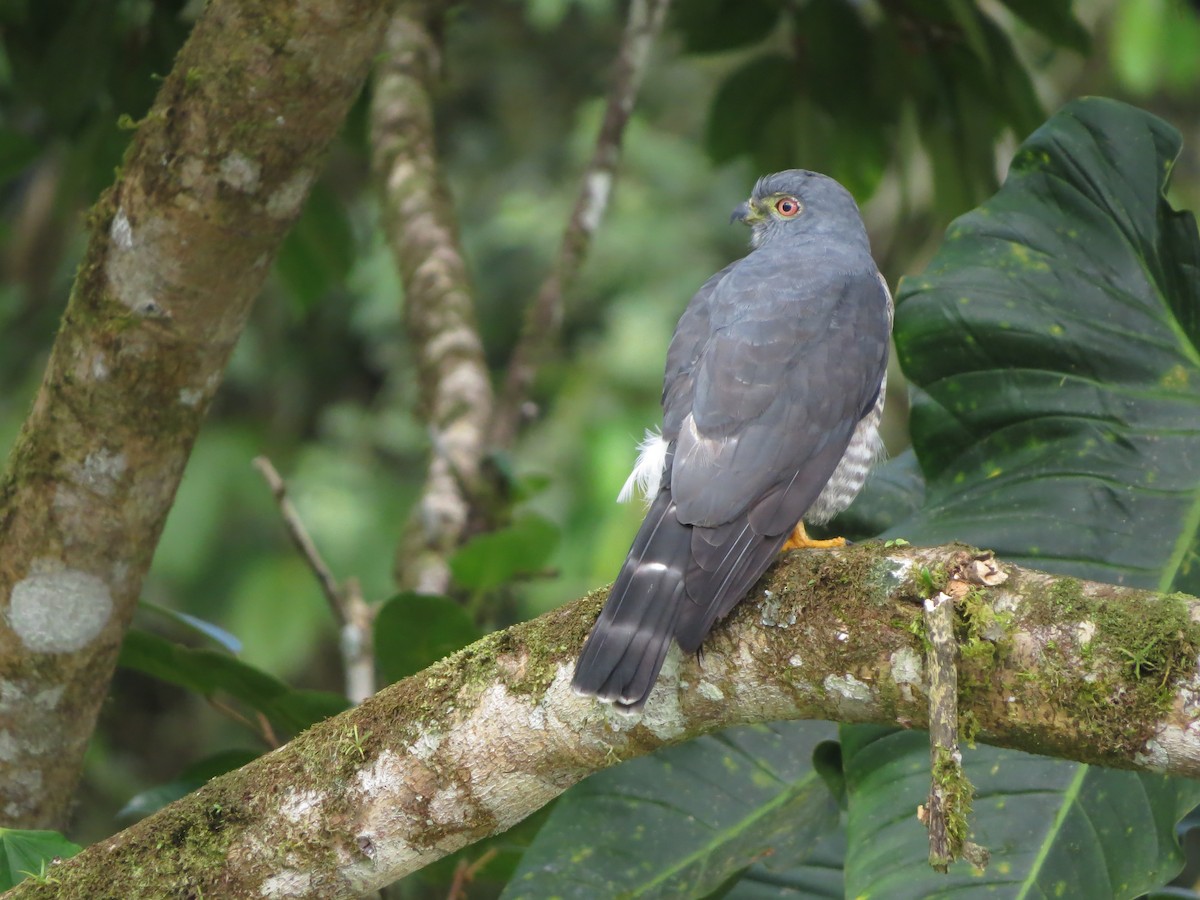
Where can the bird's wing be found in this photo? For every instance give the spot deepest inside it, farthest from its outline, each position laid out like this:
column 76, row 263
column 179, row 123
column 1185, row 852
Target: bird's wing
column 777, row 397
column 687, row 344
column 777, row 394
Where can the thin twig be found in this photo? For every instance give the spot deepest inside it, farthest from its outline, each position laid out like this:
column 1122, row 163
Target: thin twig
column 299, row 535
column 465, row 872
column 352, row 612
column 543, row 319
column 262, row 730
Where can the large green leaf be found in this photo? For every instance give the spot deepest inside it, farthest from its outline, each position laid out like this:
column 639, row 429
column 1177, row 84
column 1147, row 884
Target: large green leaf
column 208, row 672
column 31, row 854
column 1053, row 340
column 413, row 631
column 681, row 822
column 1055, row 829
column 1051, row 343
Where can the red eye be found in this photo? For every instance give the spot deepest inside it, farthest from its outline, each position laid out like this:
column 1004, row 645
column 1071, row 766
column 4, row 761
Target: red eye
column 787, row 207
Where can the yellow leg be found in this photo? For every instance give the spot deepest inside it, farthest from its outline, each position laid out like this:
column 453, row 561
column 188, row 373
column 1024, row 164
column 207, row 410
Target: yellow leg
column 799, row 540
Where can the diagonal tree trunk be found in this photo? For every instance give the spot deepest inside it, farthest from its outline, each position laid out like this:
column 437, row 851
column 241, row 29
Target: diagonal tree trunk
column 179, row 247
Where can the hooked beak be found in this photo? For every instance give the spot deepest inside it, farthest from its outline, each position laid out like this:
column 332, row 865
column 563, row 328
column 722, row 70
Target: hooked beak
column 747, row 213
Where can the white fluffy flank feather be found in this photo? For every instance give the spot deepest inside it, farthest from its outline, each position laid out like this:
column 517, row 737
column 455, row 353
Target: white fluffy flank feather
column 646, row 477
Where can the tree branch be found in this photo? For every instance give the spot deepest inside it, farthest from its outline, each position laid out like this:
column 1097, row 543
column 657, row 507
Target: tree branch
column 477, row 742
column 543, row 319
column 352, row 613
column 455, row 389
column 180, row 245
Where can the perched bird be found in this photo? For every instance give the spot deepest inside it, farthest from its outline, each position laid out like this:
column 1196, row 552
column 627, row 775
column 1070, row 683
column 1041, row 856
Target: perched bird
column 771, row 402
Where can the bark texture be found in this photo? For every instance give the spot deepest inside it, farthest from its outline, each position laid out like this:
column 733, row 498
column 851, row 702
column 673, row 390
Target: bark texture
column 179, row 247
column 455, row 389
column 477, row 742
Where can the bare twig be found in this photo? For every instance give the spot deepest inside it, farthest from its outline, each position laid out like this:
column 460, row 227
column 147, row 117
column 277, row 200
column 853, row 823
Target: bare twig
column 352, row 612
column 299, row 535
column 543, row 319
column 455, row 388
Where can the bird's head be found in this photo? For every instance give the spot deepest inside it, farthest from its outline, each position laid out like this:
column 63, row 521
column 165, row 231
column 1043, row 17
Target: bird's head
column 798, row 202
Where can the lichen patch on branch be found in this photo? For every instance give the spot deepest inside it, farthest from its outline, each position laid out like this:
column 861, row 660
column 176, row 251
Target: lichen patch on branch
column 57, row 610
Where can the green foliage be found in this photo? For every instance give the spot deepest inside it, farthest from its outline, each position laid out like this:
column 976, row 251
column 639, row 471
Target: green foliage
column 490, row 560
column 413, row 631
column 1041, row 430
column 1053, row 339
column 1080, row 296
column 30, row 854
column 837, row 96
column 682, row 822
column 211, row 673
column 1054, row 828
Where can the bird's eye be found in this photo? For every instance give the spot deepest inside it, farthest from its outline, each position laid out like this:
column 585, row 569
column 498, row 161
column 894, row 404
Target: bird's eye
column 787, row 207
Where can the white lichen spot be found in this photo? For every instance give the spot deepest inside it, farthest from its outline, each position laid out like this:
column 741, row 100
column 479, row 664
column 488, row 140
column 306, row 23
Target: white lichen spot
column 1154, row 757
column 100, row 471
column 848, row 688
column 287, row 200
column 190, row 397
column 906, row 666
column 288, row 883
column 139, row 270
column 12, row 695
column 537, row 718
column 426, row 745
column 448, row 806
column 709, row 691
column 9, row 749
column 58, row 610
column 121, row 230
column 598, row 187
column 662, row 714
column 1084, row 632
column 299, row 805
column 99, row 367
column 48, row 698
column 240, row 172
column 384, row 774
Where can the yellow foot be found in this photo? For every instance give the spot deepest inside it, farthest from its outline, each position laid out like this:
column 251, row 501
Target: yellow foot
column 799, row 540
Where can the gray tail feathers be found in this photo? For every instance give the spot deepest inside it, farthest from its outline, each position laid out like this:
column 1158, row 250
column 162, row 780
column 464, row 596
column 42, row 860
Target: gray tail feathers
column 630, row 639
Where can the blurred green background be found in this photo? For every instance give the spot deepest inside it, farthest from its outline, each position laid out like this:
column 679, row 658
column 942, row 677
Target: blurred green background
column 322, row 381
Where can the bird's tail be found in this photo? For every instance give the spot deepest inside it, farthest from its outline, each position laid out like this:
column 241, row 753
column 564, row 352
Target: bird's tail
column 630, row 639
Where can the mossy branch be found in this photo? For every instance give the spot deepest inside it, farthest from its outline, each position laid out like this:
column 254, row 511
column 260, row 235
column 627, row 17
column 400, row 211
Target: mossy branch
column 179, row 246
column 477, row 742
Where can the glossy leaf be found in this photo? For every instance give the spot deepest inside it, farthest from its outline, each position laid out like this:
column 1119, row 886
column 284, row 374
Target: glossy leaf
column 25, row 854
column 681, row 822
column 1051, row 342
column 1054, row 19
column 413, row 631
column 713, row 25
column 1054, row 828
column 208, row 672
column 215, row 633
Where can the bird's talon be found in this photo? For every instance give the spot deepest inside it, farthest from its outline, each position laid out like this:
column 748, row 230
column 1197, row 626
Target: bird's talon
column 799, row 540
